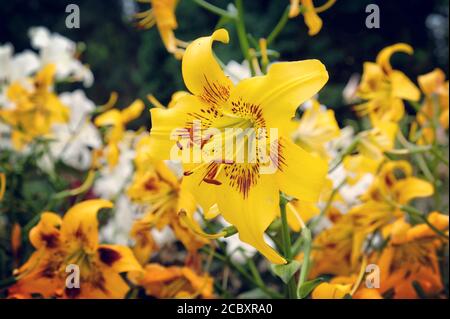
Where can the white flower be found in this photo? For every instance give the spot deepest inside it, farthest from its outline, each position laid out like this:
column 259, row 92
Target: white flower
column 74, row 148
column 118, row 228
column 164, row 236
column 112, row 181
column 351, row 193
column 237, row 250
column 237, row 71
column 350, row 89
column 74, row 141
column 59, row 50
column 16, row 67
column 80, row 107
column 343, row 141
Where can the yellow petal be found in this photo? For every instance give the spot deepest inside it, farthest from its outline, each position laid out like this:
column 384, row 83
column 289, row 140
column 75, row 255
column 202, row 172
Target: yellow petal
column 402, row 86
column 201, row 72
column 302, row 174
column 444, row 119
column 294, row 9
column 45, row 76
column 383, row 58
column 438, row 220
column 282, row 90
column 111, row 117
column 113, row 154
column 189, row 221
column 132, row 112
column 2, row 185
column 372, row 81
column 297, row 209
column 431, row 81
column 169, row 125
column 206, row 194
column 80, row 225
column 187, row 206
column 330, row 291
column 119, row 258
column 252, row 215
column 47, row 232
column 412, row 187
column 312, row 20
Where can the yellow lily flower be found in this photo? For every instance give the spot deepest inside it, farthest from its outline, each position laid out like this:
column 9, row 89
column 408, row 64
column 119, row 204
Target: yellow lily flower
column 2, row 185
column 332, row 250
column 173, row 282
column 436, row 104
column 382, row 200
column 73, row 240
column 299, row 213
column 246, row 195
column 374, row 142
column 156, row 186
column 315, row 129
column 36, row 108
column 117, row 120
column 162, row 13
column 312, row 19
column 411, row 256
column 385, row 88
column 358, row 165
column 339, row 247
column 331, row 291
column 341, row 286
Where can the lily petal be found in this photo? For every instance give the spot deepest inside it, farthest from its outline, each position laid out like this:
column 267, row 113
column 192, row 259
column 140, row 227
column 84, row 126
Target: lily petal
column 46, row 233
column 412, row 187
column 201, row 72
column 302, row 175
column 403, row 87
column 312, row 20
column 282, row 90
column 119, row 258
column 80, row 225
column 132, row 112
column 383, row 58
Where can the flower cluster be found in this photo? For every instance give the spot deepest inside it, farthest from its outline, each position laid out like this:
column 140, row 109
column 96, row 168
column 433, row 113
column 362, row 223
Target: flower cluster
column 245, row 184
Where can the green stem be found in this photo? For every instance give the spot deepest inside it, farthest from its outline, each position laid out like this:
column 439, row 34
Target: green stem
column 255, row 272
column 439, row 156
column 242, row 35
column 417, row 156
column 307, row 241
column 409, row 151
column 279, row 27
column 316, row 221
column 286, row 239
column 212, row 8
column 244, row 273
column 349, row 150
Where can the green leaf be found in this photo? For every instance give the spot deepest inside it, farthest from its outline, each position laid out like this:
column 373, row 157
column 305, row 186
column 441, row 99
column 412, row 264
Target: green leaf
column 285, row 272
column 253, row 294
column 308, row 286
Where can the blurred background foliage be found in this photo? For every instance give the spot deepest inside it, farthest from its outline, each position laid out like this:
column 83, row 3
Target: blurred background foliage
column 134, row 62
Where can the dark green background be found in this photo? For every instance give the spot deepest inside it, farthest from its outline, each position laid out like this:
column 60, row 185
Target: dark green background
column 134, row 62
